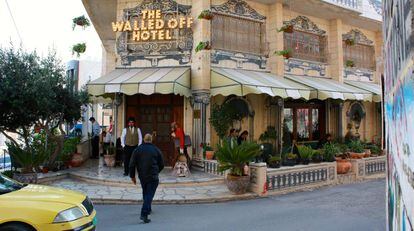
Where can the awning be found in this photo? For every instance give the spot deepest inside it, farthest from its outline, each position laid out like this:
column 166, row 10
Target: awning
column 225, row 81
column 371, row 87
column 329, row 88
column 146, row 81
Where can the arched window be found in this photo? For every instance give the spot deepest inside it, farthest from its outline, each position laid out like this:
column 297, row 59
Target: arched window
column 359, row 51
column 306, row 41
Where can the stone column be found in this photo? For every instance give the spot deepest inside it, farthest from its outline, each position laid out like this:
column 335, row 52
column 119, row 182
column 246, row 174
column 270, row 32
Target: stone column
column 274, row 22
column 340, row 123
column 336, row 53
column 201, row 100
column 258, row 178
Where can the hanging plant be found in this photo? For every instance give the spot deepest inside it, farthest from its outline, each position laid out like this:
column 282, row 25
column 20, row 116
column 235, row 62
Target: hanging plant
column 206, row 14
column 79, row 48
column 203, row 46
column 286, row 29
column 350, row 63
column 285, row 53
column 350, row 41
column 80, row 21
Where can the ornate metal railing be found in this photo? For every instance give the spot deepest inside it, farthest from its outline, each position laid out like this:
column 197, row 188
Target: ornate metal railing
column 375, row 166
column 353, row 4
column 286, row 177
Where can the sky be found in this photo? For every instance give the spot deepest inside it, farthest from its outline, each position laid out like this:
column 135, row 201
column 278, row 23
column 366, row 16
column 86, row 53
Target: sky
column 47, row 24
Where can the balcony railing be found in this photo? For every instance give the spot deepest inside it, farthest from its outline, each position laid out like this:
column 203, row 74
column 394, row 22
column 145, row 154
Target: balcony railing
column 351, row 4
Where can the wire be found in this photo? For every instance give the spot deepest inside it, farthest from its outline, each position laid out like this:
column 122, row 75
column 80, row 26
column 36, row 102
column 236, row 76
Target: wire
column 14, row 22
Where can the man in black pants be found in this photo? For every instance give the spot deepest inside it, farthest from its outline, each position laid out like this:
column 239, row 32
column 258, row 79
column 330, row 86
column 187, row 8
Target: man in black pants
column 147, row 160
column 96, row 131
column 131, row 137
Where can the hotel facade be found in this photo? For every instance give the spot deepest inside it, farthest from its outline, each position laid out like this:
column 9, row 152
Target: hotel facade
column 330, row 83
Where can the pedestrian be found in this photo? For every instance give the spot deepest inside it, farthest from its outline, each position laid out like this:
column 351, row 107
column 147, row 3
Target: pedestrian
column 148, row 162
column 242, row 137
column 131, row 137
column 326, row 140
column 178, row 133
column 96, row 131
column 232, row 137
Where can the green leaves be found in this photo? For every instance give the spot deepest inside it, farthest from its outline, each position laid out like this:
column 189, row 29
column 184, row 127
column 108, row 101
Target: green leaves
column 356, row 146
column 234, row 157
column 305, row 152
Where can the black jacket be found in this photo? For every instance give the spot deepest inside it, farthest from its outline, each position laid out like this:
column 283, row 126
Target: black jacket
column 147, row 160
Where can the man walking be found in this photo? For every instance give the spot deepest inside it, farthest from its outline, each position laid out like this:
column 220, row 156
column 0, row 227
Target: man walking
column 131, row 137
column 96, row 131
column 147, row 160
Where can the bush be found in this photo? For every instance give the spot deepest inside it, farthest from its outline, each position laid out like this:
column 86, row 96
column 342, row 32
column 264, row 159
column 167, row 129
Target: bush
column 356, row 146
column 305, row 152
column 329, row 151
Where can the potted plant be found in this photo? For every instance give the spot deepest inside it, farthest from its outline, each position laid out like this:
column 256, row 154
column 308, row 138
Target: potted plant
column 290, row 159
column 234, row 158
column 268, row 138
column 208, row 151
column 349, row 63
column 356, row 149
column 350, row 41
column 285, row 53
column 317, row 156
column 306, row 153
column 274, row 161
column 80, row 21
column 286, row 29
column 329, row 151
column 109, row 157
column 375, row 150
column 343, row 165
column 203, row 46
column 206, row 14
column 79, row 48
column 69, row 155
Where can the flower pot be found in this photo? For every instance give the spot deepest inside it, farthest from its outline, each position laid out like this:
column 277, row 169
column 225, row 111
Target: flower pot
column 45, row 170
column 355, row 155
column 287, row 56
column 343, row 166
column 237, row 184
column 305, row 161
column 77, row 160
column 274, row 165
column 289, row 162
column 367, row 153
column 29, row 178
column 209, row 155
column 288, row 29
column 109, row 160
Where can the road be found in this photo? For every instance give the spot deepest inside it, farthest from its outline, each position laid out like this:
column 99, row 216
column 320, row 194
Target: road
column 346, row 207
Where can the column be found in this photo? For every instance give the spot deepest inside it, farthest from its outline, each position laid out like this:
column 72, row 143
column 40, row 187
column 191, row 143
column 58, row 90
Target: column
column 340, row 123
column 201, row 100
column 336, row 53
column 274, row 22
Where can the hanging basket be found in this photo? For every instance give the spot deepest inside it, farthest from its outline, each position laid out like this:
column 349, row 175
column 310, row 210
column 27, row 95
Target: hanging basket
column 350, row 42
column 203, row 46
column 79, row 49
column 206, row 14
column 287, row 54
column 80, row 21
column 286, row 29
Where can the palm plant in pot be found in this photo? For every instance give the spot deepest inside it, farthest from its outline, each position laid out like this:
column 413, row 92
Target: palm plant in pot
column 234, row 158
column 306, row 153
column 274, row 161
column 290, row 159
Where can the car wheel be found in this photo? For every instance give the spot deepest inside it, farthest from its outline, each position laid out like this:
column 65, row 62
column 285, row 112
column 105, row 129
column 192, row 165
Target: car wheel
column 16, row 227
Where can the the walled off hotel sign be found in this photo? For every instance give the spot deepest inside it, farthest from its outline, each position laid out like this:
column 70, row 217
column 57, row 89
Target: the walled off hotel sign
column 152, row 26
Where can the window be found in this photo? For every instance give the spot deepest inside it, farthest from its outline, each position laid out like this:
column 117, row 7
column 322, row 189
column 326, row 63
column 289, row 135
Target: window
column 237, row 34
column 363, row 56
column 303, row 122
column 306, row 46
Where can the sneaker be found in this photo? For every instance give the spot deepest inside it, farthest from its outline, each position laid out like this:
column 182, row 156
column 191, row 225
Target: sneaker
column 145, row 219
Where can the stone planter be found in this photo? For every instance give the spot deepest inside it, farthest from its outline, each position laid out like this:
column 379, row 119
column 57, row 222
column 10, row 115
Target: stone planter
column 109, row 160
column 209, row 155
column 77, row 160
column 29, row 178
column 237, row 184
column 343, row 166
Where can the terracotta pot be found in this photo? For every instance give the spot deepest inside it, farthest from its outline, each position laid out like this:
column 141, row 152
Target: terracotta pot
column 45, row 170
column 182, row 158
column 287, row 56
column 237, row 184
column 77, row 160
column 367, row 153
column 355, row 155
column 289, row 29
column 209, row 155
column 343, row 166
column 109, row 160
column 29, row 178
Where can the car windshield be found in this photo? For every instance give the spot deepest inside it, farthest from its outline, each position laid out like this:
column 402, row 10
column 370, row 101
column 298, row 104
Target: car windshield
column 8, row 185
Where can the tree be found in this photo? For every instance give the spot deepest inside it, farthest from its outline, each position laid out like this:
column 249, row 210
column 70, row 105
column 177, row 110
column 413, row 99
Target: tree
column 33, row 92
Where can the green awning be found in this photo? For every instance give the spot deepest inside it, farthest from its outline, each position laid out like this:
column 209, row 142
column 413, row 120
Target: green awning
column 330, row 89
column 226, row 81
column 374, row 88
column 175, row 80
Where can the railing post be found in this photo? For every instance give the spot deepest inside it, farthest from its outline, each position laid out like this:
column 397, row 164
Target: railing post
column 258, row 180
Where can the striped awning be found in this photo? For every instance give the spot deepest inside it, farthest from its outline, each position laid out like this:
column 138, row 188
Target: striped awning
column 146, row 81
column 374, row 88
column 225, row 81
column 330, row 89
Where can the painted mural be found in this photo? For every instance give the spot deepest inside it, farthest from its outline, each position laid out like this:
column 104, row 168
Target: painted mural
column 399, row 112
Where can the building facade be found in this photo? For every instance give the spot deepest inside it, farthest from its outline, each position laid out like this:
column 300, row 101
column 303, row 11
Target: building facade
column 399, row 112
column 329, row 83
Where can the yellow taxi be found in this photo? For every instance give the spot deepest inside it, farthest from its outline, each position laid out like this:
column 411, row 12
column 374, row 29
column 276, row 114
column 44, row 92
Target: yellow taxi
column 41, row 208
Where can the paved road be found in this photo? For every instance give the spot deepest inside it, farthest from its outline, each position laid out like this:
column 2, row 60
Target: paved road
column 346, row 207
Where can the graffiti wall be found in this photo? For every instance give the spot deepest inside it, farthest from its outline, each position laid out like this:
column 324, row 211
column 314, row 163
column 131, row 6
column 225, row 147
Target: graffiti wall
column 399, row 112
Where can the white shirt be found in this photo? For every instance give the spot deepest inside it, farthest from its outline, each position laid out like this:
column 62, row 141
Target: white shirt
column 96, row 129
column 123, row 136
column 108, row 138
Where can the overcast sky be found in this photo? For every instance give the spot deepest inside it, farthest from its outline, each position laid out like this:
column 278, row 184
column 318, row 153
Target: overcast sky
column 46, row 24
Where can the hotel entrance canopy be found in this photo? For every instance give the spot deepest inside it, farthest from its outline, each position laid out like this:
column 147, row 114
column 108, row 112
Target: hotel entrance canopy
column 371, row 87
column 328, row 88
column 225, row 81
column 145, row 81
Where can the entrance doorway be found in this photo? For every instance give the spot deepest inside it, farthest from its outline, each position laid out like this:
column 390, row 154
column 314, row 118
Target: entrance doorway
column 154, row 114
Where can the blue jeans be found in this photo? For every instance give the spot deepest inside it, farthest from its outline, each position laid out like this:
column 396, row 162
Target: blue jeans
column 148, row 192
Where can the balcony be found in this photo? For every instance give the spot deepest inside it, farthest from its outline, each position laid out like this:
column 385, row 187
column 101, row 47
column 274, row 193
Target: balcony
column 349, row 4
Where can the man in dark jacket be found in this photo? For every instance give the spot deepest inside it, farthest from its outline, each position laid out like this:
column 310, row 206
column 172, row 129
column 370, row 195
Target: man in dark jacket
column 147, row 160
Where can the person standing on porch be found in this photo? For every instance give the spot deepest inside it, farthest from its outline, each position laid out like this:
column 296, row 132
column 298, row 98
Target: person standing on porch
column 130, row 139
column 96, row 131
column 148, row 162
